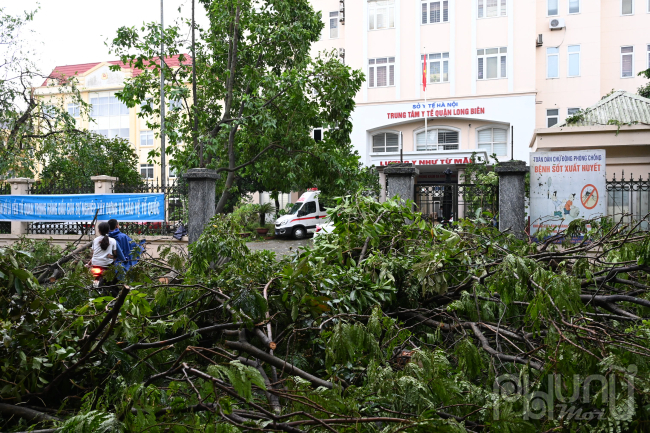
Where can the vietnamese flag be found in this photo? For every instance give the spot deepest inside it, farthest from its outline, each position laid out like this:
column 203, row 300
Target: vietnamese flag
column 424, row 74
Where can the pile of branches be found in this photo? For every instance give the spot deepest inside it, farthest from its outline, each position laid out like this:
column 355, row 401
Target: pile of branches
column 379, row 326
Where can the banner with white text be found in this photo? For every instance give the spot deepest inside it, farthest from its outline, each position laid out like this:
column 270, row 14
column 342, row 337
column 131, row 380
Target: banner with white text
column 82, row 207
column 566, row 185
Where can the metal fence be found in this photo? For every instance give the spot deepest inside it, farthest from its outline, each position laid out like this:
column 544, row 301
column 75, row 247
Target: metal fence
column 5, row 188
column 175, row 190
column 448, row 200
column 61, row 227
column 82, row 188
column 629, row 200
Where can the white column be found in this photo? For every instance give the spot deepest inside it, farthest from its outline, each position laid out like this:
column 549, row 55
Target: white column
column 418, row 53
column 452, row 48
column 19, row 186
column 473, row 38
column 511, row 47
column 398, row 51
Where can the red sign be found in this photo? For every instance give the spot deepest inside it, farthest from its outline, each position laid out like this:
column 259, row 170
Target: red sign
column 589, row 196
column 439, row 161
column 443, row 112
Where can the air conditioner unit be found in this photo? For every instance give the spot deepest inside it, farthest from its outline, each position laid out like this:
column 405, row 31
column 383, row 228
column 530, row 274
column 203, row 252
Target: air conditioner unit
column 556, row 24
column 342, row 52
column 540, row 40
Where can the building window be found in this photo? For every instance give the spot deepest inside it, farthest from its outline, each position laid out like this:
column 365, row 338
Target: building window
column 438, row 67
column 627, row 7
column 172, row 173
column 381, row 72
column 111, row 117
column 552, row 117
column 146, row 138
column 552, row 7
column 627, row 62
column 649, row 47
column 572, row 111
column 435, row 12
column 493, row 141
column 492, row 8
column 318, row 134
column 492, row 63
column 334, row 25
column 437, row 139
column 146, row 171
column 174, row 105
column 385, row 142
column 552, row 63
column 574, row 6
column 73, row 110
column 381, row 14
column 574, row 60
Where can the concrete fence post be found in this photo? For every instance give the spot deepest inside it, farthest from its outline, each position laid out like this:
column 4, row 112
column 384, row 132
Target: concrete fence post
column 19, row 186
column 201, row 200
column 401, row 181
column 103, row 185
column 512, row 197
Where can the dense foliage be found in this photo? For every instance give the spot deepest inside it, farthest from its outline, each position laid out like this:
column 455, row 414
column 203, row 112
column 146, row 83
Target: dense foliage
column 381, row 326
column 72, row 160
column 259, row 96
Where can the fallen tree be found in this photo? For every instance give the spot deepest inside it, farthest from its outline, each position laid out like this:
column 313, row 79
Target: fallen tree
column 379, row 326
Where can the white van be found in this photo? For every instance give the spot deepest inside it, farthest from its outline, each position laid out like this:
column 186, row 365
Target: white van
column 303, row 216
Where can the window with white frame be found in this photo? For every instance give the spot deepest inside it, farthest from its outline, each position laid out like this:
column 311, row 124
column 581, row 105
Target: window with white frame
column 627, row 62
column 385, row 142
column 334, row 25
column 627, row 7
column 73, row 109
column 174, row 105
column 146, row 138
column 111, row 117
column 146, row 171
column 649, row 47
column 492, row 63
column 172, row 172
column 381, row 72
column 552, row 7
column 381, row 14
column 574, row 60
column 492, row 8
column 437, row 68
column 574, row 6
column 493, row 141
column 552, row 117
column 437, row 139
column 572, row 111
column 552, row 62
column 435, row 12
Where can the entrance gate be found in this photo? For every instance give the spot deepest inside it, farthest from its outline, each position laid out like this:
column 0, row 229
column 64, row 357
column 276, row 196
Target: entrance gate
column 449, row 200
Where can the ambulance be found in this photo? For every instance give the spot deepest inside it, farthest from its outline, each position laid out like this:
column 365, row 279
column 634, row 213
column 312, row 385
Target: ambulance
column 303, row 217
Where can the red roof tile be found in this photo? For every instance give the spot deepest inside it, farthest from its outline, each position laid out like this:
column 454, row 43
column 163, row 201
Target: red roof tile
column 82, row 68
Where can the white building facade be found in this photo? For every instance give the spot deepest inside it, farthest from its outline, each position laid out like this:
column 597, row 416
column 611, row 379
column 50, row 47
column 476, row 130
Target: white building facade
column 496, row 71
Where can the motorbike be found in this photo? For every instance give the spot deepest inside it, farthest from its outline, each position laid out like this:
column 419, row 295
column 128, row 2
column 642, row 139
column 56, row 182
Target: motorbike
column 97, row 272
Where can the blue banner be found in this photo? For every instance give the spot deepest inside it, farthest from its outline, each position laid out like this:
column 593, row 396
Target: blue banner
column 82, row 207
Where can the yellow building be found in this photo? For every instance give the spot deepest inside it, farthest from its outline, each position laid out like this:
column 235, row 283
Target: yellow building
column 98, row 85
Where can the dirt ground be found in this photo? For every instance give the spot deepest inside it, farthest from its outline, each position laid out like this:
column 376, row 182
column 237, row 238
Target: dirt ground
column 281, row 247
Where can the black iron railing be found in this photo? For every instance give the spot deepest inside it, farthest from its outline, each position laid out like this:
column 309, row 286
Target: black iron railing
column 629, row 200
column 61, row 228
column 5, row 227
column 82, row 188
column 175, row 190
column 5, row 188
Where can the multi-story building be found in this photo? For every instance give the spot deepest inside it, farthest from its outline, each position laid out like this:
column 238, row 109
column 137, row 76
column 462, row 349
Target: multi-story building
column 110, row 117
column 493, row 66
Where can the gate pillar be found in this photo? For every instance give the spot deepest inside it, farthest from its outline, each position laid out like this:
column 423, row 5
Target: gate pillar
column 401, row 181
column 512, row 197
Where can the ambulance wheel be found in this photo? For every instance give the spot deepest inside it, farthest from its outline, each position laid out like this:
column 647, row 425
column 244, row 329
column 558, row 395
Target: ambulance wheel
column 299, row 233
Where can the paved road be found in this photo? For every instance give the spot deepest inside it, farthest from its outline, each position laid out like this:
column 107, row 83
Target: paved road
column 281, row 247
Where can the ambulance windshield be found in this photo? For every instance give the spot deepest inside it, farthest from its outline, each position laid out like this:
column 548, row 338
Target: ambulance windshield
column 295, row 208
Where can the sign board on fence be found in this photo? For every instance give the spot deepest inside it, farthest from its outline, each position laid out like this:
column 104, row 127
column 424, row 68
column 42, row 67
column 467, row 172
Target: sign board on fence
column 82, row 207
column 566, row 185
